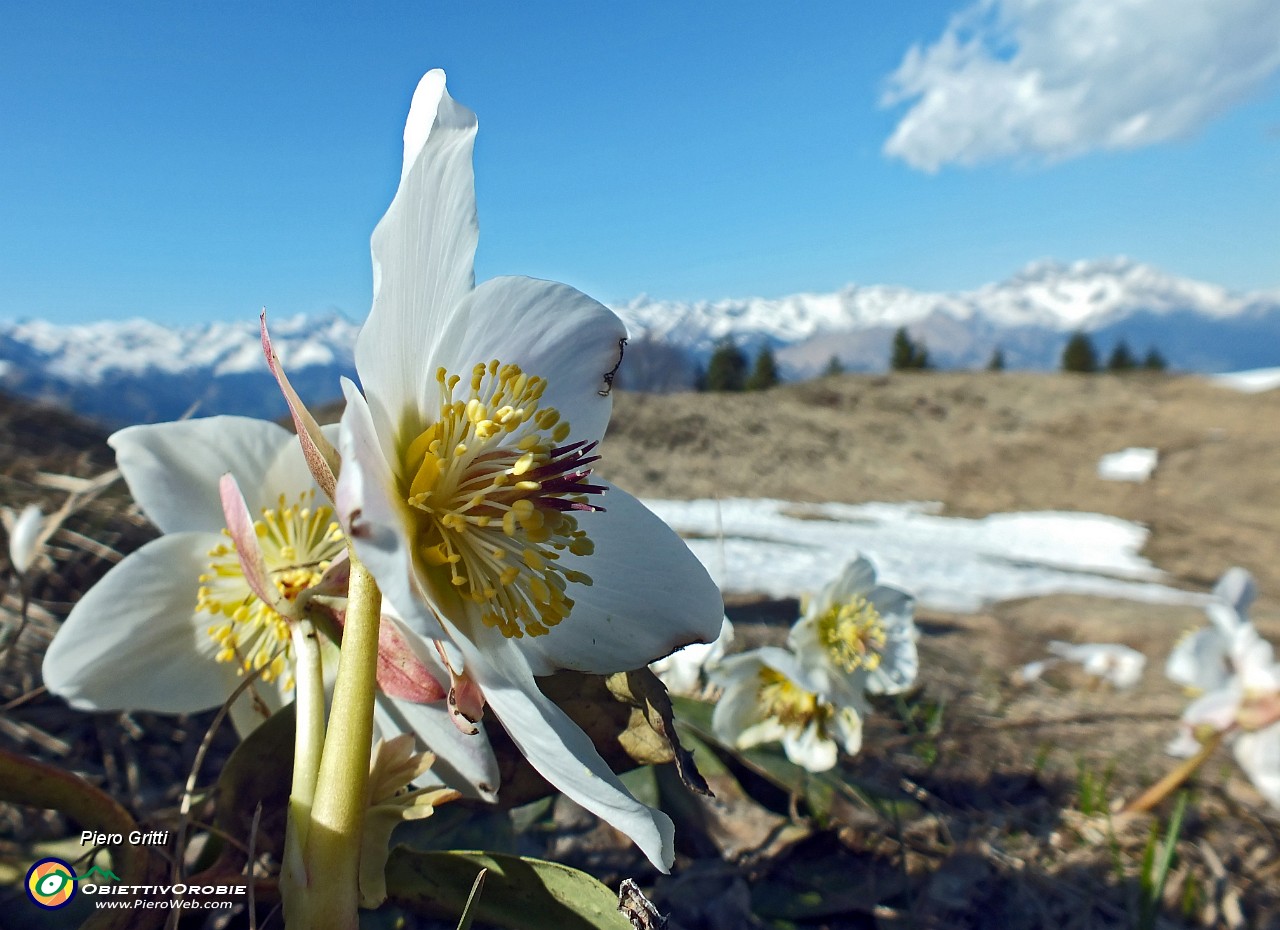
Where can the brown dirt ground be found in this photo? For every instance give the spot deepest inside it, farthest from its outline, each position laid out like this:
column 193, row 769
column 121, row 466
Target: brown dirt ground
column 984, row 443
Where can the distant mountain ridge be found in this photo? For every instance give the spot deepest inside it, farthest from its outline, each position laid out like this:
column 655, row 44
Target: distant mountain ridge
column 1197, row 326
column 139, row 371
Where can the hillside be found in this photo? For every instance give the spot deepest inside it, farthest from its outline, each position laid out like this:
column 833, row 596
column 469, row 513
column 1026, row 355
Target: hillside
column 981, row 443
column 993, row 827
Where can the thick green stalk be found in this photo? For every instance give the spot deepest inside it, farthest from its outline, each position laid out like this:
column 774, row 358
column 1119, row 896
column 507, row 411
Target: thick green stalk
column 308, row 743
column 332, row 847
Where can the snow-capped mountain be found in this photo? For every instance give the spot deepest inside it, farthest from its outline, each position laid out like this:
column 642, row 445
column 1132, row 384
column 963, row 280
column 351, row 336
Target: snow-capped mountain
column 138, row 371
column 1026, row 315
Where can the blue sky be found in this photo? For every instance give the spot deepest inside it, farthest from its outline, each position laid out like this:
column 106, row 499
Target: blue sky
column 195, row 161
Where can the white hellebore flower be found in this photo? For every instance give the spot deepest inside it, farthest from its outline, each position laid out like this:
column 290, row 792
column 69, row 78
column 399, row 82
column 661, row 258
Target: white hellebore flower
column 175, row 626
column 858, row 635
column 771, row 695
column 1246, row 706
column 1200, row 661
column 465, row 485
column 685, row 670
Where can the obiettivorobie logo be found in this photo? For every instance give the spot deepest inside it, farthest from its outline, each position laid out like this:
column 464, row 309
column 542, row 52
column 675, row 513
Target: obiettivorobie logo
column 51, row 883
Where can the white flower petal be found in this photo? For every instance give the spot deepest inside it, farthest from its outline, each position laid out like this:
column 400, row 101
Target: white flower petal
column 172, row 469
column 856, row 578
column 1259, row 755
column 423, row 254
column 550, row 330
column 562, row 753
column 898, row 668
column 1199, row 661
column 649, row 597
column 374, row 520
column 809, row 749
column 1217, row 709
column 738, row 708
column 466, row 763
column 896, row 607
column 1184, row 745
column 134, row 641
column 846, row 729
column 24, row 538
column 1237, row 589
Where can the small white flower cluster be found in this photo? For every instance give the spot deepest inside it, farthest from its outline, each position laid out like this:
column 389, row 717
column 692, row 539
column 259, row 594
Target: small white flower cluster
column 1234, row 671
column 855, row 638
column 1118, row 665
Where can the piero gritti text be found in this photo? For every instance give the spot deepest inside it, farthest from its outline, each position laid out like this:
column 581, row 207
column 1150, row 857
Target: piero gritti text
column 136, row 838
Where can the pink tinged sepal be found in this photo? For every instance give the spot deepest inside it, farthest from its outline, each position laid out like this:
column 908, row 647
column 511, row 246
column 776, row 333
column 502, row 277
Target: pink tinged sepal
column 466, row 698
column 322, row 458
column 401, row 674
column 252, row 562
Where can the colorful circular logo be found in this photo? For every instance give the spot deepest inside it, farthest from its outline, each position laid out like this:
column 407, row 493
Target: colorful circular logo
column 51, row 883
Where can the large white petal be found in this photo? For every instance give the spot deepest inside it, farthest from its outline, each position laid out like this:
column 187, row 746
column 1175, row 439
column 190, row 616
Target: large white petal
column 373, row 516
column 562, row 753
column 464, row 762
column 134, row 641
column 423, row 253
column 856, row 578
column 173, row 468
column 738, row 708
column 550, row 330
column 846, row 729
column 1200, row 660
column 649, row 597
column 1259, row 755
column 1237, row 589
column 809, row 749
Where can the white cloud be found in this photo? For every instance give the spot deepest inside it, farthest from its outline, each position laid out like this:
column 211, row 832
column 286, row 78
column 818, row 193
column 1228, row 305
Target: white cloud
column 1056, row 78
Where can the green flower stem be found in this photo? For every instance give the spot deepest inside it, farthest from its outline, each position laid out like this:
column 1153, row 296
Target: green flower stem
column 308, row 743
column 332, row 848
column 309, row 740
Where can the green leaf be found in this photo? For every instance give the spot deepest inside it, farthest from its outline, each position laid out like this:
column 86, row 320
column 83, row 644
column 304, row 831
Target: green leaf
column 259, row 771
column 519, row 893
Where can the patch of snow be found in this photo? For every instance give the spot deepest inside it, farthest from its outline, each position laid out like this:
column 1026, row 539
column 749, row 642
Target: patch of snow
column 1132, row 464
column 783, row 549
column 1249, row 382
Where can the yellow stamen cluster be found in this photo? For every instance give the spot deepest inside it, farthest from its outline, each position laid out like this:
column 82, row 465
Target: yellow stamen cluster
column 298, row 543
column 494, row 488
column 853, row 635
column 781, row 698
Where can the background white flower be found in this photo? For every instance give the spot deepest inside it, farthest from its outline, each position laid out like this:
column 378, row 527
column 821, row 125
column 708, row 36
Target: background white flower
column 170, row 628
column 1200, row 661
column 770, row 695
column 859, row 635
